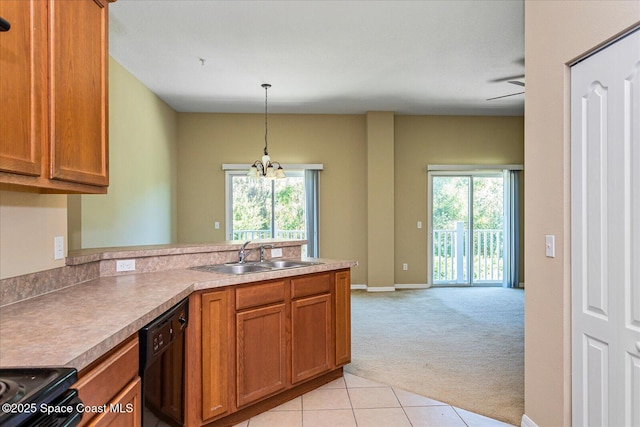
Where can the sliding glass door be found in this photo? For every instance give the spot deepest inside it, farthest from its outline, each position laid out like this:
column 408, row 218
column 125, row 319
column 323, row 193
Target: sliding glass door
column 467, row 228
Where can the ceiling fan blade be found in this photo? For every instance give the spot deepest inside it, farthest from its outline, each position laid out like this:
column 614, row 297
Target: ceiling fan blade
column 504, row 96
column 516, row 82
column 505, row 79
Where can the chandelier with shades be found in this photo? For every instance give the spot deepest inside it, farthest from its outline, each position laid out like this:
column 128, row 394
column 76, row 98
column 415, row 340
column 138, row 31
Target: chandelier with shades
column 265, row 168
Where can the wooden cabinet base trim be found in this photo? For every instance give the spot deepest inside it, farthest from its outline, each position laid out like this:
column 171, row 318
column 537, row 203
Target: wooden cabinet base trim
column 279, row 399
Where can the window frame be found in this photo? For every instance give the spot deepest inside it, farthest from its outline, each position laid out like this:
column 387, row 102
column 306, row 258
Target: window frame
column 311, row 212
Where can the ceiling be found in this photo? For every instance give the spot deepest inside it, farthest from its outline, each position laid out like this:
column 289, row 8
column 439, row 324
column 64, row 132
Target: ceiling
column 326, row 57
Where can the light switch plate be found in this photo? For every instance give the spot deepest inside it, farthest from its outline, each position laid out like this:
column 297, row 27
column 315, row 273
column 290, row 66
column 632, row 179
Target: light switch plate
column 550, row 245
column 276, row 252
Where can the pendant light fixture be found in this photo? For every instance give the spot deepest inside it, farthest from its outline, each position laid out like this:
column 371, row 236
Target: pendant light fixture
column 265, row 168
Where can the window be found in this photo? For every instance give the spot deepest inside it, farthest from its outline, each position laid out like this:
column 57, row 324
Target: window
column 473, row 227
column 282, row 208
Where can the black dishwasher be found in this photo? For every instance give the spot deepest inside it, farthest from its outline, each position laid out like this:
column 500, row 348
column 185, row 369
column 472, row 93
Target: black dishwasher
column 162, row 366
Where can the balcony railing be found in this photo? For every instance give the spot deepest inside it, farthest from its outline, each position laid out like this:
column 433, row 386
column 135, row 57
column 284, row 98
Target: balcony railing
column 266, row 234
column 450, row 262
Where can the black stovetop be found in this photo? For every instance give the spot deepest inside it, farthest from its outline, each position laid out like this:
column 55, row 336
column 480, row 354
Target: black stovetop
column 31, row 386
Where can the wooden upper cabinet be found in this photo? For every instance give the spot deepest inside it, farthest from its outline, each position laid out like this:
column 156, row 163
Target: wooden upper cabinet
column 54, row 95
column 23, row 94
column 78, row 91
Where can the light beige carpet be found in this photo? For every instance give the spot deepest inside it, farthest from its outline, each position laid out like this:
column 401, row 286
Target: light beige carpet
column 461, row 346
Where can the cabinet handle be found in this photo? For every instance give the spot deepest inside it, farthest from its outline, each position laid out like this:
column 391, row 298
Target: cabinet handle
column 4, row 24
column 638, row 345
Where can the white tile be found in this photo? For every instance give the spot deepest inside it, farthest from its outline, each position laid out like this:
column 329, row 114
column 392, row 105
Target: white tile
column 433, row 416
column 355, row 381
column 337, row 383
column 277, row 419
column 373, row 397
column 292, row 405
column 326, row 398
column 329, row 418
column 476, row 420
column 408, row 398
column 381, row 417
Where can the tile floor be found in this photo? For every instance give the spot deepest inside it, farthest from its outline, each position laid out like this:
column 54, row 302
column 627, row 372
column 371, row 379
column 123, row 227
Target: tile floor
column 353, row 401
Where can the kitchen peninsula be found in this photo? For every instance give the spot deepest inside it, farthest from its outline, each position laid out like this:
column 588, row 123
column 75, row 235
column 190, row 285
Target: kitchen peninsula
column 92, row 318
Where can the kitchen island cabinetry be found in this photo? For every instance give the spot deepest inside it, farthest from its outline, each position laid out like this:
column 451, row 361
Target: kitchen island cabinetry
column 261, row 347
column 311, row 337
column 342, row 307
column 54, row 63
column 111, row 388
column 215, row 331
column 252, row 347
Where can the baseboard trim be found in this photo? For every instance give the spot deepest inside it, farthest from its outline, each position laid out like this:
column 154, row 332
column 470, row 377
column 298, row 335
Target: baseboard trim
column 381, row 289
column 364, row 287
column 527, row 422
column 412, row 286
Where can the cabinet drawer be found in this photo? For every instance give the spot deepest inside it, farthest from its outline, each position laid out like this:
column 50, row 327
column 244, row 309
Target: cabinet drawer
column 103, row 382
column 254, row 296
column 129, row 405
column 310, row 285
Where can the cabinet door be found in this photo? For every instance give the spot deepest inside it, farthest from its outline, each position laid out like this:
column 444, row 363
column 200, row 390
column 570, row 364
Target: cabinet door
column 23, row 67
column 78, row 91
column 215, row 354
column 261, row 353
column 125, row 410
column 343, row 317
column 310, row 337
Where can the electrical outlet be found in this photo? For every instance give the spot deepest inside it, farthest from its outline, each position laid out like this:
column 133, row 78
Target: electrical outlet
column 126, row 265
column 405, row 266
column 58, row 247
column 216, row 225
column 276, row 252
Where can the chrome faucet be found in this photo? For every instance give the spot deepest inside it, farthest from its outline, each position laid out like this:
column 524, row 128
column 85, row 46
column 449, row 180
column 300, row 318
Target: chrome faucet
column 242, row 255
column 262, row 248
column 243, row 252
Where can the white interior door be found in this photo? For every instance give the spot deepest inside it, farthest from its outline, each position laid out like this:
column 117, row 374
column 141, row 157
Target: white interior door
column 605, row 230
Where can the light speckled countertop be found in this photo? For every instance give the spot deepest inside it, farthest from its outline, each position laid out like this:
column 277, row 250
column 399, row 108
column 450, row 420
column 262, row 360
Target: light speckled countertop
column 76, row 325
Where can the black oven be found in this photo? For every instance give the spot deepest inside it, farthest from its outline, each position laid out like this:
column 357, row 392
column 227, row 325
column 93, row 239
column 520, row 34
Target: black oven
column 39, row 397
column 162, row 366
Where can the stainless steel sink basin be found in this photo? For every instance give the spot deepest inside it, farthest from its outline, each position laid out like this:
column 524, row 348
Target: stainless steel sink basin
column 288, row 263
column 232, row 269
column 255, row 266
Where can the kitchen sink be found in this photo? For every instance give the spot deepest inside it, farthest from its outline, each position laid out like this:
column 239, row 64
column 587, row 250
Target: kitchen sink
column 254, row 266
column 232, row 269
column 288, row 263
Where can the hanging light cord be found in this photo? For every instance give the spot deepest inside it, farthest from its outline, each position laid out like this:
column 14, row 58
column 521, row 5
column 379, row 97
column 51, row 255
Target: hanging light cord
column 266, row 86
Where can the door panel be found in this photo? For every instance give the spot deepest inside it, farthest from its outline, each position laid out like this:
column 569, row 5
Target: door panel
column 605, row 235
